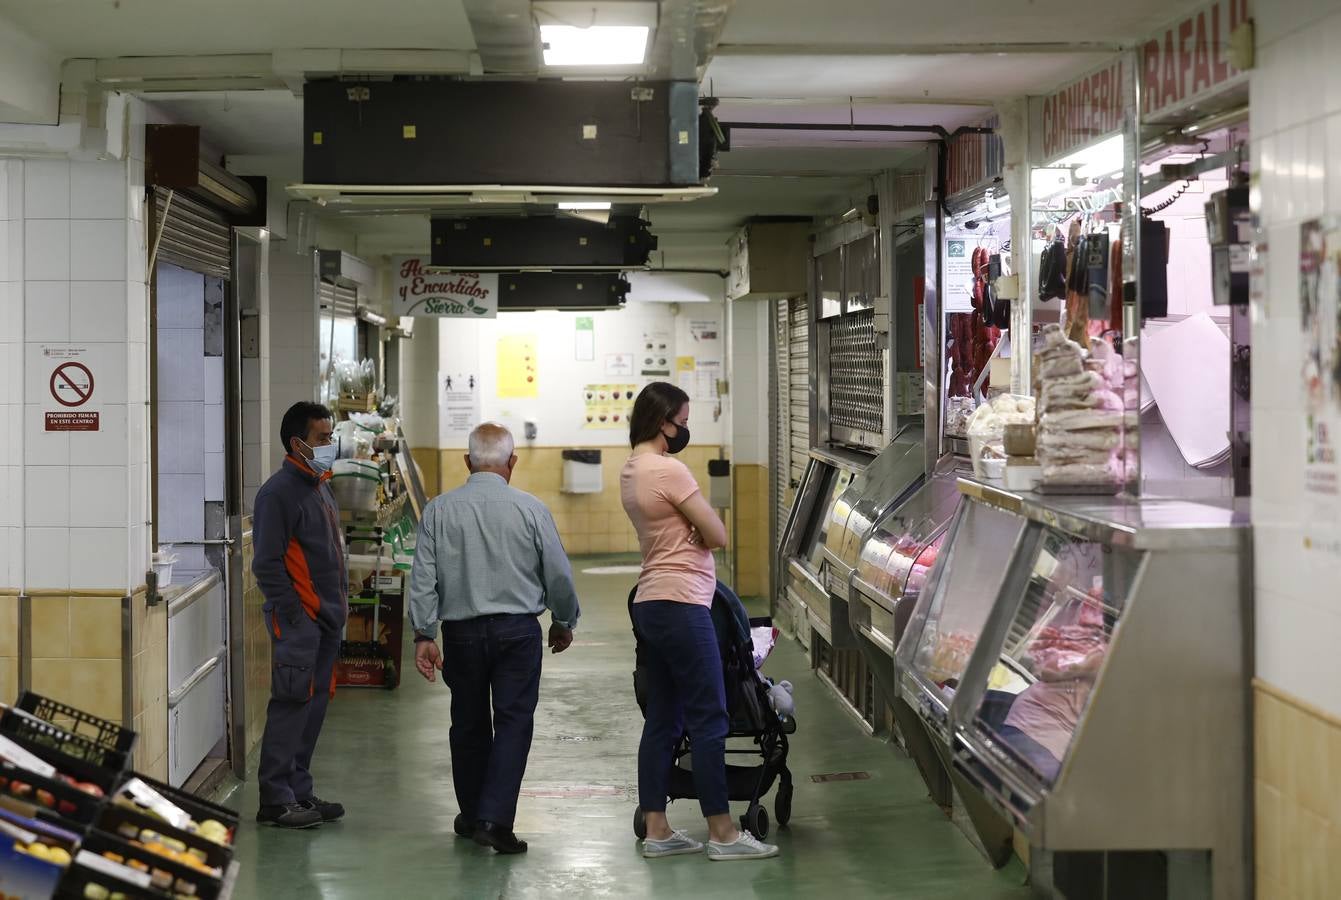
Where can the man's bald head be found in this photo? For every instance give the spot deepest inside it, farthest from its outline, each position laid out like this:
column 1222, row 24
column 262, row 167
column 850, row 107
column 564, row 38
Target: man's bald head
column 491, row 450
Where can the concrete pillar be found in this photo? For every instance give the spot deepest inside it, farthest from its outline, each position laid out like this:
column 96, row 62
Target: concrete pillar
column 1015, row 135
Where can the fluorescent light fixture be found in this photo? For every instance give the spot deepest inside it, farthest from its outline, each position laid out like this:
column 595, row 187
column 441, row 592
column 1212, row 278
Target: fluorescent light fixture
column 588, row 207
column 1103, row 159
column 599, row 45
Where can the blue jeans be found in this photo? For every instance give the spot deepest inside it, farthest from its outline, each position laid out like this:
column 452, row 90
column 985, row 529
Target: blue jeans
column 684, row 693
column 491, row 664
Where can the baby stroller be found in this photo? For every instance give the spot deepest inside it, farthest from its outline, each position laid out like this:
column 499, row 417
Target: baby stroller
column 751, row 716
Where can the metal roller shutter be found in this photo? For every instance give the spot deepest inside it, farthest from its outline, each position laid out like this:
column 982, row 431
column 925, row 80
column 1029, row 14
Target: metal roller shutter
column 798, row 381
column 856, row 376
column 191, row 235
column 780, row 451
column 338, row 301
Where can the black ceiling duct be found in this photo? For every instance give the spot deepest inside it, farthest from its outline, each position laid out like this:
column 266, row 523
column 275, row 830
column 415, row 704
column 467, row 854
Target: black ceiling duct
column 530, row 291
column 540, row 242
column 570, row 133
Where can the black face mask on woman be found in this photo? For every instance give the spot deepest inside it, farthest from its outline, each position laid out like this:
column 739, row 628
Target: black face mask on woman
column 679, row 441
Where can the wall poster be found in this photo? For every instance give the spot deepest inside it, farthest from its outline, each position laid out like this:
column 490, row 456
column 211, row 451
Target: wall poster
column 517, row 367
column 608, row 405
column 458, row 406
column 1320, row 331
column 656, row 358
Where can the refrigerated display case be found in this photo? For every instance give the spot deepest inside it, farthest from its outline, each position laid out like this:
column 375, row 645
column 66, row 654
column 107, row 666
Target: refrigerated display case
column 1104, row 711
column 887, row 481
column 827, row 477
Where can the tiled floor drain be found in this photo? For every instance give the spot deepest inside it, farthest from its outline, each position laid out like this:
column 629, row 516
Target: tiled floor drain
column 840, row 776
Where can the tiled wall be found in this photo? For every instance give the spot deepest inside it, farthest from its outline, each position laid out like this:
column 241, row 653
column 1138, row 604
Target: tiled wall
column 752, row 538
column 258, row 441
column 1298, row 798
column 149, row 685
column 256, row 644
column 1296, row 134
column 588, row 523
column 76, row 652
column 9, row 647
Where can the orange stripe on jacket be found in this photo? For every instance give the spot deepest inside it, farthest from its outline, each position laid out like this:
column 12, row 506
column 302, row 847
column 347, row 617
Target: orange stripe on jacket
column 296, row 563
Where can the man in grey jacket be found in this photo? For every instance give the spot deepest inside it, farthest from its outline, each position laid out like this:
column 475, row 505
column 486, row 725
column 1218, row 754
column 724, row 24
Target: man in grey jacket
column 487, row 564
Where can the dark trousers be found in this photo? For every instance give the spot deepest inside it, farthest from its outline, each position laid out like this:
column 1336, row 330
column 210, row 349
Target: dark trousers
column 302, row 661
column 491, row 664
column 684, row 692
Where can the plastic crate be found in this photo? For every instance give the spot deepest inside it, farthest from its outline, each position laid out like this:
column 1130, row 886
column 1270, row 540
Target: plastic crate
column 77, row 878
column 196, row 807
column 98, row 843
column 73, row 766
column 68, row 803
column 113, row 817
column 106, row 734
column 32, row 731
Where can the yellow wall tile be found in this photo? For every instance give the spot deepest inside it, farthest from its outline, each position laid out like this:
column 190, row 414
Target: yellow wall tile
column 95, row 627
column 50, row 627
column 9, row 678
column 9, row 627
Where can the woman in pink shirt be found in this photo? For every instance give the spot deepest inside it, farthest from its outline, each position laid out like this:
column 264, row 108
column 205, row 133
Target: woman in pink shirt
column 677, row 532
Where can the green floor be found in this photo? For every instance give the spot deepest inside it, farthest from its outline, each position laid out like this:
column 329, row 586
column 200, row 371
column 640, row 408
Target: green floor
column 384, row 755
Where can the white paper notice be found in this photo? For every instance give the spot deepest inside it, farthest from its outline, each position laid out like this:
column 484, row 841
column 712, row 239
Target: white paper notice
column 619, row 365
column 458, row 407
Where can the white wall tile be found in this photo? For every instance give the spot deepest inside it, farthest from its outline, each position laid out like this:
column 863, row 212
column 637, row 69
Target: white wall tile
column 137, row 372
column 181, row 510
column 137, row 489
column 1330, row 36
column 1314, row 182
column 11, row 309
column 98, row 496
column 137, row 311
column 214, row 476
column 98, row 190
column 46, row 496
column 46, row 189
column 9, row 270
column 181, row 365
column 212, row 427
column 107, row 445
column 99, row 556
column 46, row 558
column 6, row 213
column 11, row 497
column 1333, row 167
column 12, row 576
column 14, row 186
column 46, row 249
column 214, row 380
column 41, row 447
column 137, row 252
column 11, row 374
column 98, row 249
column 11, row 440
column 98, row 311
column 46, row 311
column 139, row 554
column 180, row 299
column 180, row 451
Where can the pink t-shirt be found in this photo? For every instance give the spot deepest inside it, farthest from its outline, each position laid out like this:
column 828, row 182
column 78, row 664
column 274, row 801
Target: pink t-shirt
column 651, row 488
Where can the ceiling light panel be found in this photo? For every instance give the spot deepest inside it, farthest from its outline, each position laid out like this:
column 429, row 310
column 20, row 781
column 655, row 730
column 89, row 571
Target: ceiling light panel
column 599, row 45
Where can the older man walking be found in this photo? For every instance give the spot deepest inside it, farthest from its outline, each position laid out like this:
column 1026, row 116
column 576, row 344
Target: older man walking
column 487, row 565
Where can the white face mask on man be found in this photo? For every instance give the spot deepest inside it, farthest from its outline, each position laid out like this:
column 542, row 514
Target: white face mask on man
column 322, row 457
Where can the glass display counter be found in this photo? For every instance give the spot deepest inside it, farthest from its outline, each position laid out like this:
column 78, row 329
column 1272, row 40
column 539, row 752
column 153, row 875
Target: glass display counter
column 951, row 613
column 885, row 483
column 1104, row 706
column 826, row 479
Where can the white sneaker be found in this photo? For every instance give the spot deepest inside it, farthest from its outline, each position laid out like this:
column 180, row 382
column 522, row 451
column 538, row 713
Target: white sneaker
column 745, row 846
column 678, row 844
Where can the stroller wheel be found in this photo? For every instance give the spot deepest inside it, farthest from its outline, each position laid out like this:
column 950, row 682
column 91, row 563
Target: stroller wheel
column 640, row 824
column 782, row 806
column 755, row 821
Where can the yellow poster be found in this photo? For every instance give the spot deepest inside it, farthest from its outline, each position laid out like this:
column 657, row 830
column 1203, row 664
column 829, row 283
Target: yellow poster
column 608, row 405
column 517, row 366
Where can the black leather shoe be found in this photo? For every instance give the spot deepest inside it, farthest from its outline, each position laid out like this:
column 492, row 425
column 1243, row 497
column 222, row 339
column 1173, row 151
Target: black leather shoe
column 288, row 815
column 489, row 834
column 329, row 811
column 464, row 826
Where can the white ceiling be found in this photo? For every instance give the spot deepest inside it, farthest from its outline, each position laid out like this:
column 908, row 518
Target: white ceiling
column 105, row 28
column 237, row 123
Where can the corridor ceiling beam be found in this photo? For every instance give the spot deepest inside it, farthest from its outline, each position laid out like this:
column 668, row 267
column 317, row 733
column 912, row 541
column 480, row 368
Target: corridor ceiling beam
column 849, row 50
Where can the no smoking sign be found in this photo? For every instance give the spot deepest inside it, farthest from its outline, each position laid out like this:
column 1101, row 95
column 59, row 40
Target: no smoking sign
column 72, row 386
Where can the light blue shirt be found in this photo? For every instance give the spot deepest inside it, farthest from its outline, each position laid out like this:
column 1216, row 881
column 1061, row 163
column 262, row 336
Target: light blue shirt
column 487, row 548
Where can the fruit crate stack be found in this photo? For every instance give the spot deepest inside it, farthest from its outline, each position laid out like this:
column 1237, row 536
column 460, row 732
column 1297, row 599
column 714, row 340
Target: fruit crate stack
column 76, row 822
